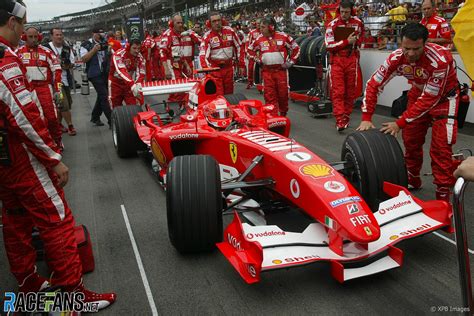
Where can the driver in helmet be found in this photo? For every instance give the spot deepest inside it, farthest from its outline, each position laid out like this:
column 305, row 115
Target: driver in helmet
column 218, row 114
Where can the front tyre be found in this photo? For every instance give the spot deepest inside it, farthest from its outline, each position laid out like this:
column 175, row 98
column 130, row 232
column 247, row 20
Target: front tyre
column 194, row 203
column 376, row 158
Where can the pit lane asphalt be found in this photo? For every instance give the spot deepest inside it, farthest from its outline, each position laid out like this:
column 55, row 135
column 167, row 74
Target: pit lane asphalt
column 100, row 183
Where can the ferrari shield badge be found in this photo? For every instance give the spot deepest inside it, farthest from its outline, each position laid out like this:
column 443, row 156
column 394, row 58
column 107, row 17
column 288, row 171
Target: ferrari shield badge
column 233, row 152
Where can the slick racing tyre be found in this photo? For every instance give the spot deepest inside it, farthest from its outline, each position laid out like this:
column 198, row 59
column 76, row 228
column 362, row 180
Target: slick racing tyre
column 194, row 203
column 125, row 137
column 376, row 158
column 234, row 99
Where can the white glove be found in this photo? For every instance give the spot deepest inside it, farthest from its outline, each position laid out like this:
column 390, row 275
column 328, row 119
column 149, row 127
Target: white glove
column 287, row 64
column 136, row 89
column 185, row 33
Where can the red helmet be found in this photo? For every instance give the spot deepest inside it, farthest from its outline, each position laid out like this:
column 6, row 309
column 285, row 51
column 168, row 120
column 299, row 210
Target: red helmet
column 217, row 113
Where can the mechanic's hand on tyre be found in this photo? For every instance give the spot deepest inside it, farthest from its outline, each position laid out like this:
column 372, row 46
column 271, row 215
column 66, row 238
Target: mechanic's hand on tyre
column 136, row 89
column 62, row 171
column 390, row 128
column 365, row 125
column 466, row 169
column 287, row 64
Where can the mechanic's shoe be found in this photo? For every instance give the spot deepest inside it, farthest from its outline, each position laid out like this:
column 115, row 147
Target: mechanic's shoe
column 33, row 283
column 443, row 194
column 414, row 182
column 249, row 85
column 71, row 130
column 341, row 126
column 98, row 123
column 63, row 128
column 102, row 300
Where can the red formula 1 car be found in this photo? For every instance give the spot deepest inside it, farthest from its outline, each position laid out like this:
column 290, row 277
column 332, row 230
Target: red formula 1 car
column 290, row 207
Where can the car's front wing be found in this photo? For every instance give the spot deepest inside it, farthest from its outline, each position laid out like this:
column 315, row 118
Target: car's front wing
column 253, row 249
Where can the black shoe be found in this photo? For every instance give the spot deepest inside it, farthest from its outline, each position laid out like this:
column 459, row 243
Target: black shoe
column 98, row 123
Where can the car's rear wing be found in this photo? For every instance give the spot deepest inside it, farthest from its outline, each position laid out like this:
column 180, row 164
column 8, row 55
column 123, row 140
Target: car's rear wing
column 152, row 89
column 253, row 249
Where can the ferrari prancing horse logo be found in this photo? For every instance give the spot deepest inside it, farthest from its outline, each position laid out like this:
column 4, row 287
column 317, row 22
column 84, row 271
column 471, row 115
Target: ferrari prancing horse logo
column 233, row 152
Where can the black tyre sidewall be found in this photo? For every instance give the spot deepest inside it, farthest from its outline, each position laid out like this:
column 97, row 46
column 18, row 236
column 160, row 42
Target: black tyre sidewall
column 194, row 203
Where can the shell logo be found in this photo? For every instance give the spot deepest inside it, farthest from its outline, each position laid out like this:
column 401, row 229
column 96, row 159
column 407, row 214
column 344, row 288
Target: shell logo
column 393, row 237
column 317, row 171
column 277, row 261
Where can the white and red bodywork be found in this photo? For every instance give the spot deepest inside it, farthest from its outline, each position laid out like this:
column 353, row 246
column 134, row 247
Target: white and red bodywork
column 344, row 230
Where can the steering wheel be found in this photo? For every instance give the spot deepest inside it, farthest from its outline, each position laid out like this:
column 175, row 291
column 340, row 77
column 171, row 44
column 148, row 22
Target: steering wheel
column 232, row 125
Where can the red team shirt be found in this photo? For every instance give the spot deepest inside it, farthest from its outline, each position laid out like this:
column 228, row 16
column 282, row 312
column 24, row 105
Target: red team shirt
column 128, row 68
column 274, row 49
column 219, row 49
column 42, row 65
column 434, row 75
column 437, row 28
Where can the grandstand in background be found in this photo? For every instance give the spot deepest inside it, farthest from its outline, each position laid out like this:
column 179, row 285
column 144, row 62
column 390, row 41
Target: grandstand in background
column 154, row 12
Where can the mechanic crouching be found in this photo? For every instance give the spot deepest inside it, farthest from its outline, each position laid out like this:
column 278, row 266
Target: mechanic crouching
column 432, row 101
column 44, row 70
column 127, row 72
column 277, row 52
column 32, row 177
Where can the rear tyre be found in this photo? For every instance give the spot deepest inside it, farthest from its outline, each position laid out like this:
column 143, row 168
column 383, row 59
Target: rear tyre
column 376, row 158
column 234, row 99
column 194, row 203
column 125, row 137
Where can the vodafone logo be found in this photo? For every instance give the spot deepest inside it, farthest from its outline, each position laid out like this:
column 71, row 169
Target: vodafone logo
column 295, row 188
column 386, row 210
column 265, row 234
column 184, row 136
column 276, row 124
column 234, row 242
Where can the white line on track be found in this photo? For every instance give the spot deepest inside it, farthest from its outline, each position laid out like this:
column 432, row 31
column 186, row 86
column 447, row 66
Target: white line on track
column 451, row 241
column 151, row 301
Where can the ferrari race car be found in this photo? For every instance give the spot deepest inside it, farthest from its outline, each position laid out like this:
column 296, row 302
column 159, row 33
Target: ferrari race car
column 289, row 206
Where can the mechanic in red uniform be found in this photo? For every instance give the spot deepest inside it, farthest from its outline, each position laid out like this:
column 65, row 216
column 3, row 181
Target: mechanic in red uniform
column 237, row 27
column 177, row 53
column 437, row 26
column 127, row 72
column 147, row 48
column 252, row 36
column 32, row 176
column 112, row 42
column 243, row 50
column 277, row 52
column 220, row 46
column 344, row 60
column 44, row 71
column 190, row 41
column 158, row 71
column 432, row 101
